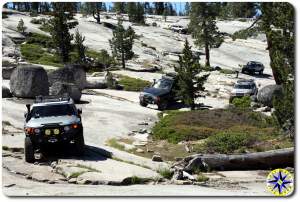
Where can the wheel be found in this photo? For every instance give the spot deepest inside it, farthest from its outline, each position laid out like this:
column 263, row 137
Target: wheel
column 79, row 144
column 162, row 106
column 143, row 104
column 261, row 72
column 29, row 150
column 243, row 71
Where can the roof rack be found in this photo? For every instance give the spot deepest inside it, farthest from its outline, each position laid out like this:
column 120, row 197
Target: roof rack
column 52, row 98
column 245, row 80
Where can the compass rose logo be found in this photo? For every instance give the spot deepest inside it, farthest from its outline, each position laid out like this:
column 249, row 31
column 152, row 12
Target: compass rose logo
column 280, row 182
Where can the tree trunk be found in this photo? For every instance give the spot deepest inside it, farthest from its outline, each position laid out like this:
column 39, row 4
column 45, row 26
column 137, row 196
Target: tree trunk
column 207, row 56
column 96, row 15
column 123, row 60
column 280, row 158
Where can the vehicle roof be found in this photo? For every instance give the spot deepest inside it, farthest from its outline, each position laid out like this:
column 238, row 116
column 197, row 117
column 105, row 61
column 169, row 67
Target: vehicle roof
column 53, row 103
column 255, row 62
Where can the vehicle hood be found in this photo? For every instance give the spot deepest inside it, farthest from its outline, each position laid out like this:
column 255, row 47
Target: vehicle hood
column 241, row 91
column 156, row 91
column 60, row 120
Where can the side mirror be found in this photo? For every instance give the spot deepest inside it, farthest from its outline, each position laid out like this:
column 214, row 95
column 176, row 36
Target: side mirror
column 79, row 111
column 28, row 108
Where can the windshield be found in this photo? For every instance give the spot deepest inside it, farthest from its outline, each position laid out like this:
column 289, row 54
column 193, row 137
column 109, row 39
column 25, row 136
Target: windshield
column 163, row 83
column 53, row 110
column 242, row 86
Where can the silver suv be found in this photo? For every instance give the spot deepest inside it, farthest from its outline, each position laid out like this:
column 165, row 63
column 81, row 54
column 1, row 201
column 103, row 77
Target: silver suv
column 243, row 88
column 51, row 121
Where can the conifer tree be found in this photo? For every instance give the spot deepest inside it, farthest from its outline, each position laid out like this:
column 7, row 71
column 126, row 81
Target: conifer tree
column 122, row 42
column 61, row 36
column 21, row 27
column 80, row 48
column 189, row 83
column 204, row 28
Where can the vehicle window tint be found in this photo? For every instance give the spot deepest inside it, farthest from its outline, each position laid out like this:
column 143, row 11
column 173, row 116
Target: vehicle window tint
column 242, row 86
column 163, row 83
column 53, row 110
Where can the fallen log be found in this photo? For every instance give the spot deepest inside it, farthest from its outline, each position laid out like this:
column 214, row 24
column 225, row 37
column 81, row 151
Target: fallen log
column 273, row 159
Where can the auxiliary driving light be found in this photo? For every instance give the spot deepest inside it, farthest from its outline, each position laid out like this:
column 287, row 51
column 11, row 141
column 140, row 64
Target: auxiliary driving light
column 47, row 132
column 56, row 131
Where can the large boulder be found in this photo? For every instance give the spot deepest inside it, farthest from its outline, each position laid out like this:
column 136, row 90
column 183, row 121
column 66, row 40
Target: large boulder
column 61, row 88
column 5, row 92
column 266, row 94
column 28, row 81
column 79, row 75
column 61, row 75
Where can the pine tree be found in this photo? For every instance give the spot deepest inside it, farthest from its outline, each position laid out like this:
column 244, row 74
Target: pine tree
column 120, row 7
column 204, row 28
column 187, row 8
column 97, row 6
column 135, row 12
column 122, row 42
column 60, row 30
column 21, row 27
column 80, row 48
column 189, row 83
column 159, row 8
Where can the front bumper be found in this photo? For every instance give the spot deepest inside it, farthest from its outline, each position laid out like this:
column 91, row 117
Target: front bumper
column 148, row 99
column 40, row 139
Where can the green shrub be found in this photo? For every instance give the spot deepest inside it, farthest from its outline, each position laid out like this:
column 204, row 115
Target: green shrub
column 101, row 58
column 32, row 52
column 38, row 21
column 133, row 84
column 46, row 27
column 4, row 16
column 228, row 142
column 40, row 39
column 227, row 71
column 201, row 178
column 36, row 54
column 242, row 103
column 166, row 173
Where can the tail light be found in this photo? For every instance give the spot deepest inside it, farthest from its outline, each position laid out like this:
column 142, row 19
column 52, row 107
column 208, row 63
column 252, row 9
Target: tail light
column 74, row 126
column 29, row 131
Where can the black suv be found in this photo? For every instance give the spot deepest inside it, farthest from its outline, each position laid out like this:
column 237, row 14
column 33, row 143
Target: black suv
column 161, row 92
column 252, row 67
column 52, row 121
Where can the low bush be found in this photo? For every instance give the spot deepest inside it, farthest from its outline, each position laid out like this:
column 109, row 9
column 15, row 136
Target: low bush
column 166, row 173
column 38, row 20
column 133, row 84
column 144, row 44
column 243, row 102
column 36, row 54
column 196, row 125
column 227, row 71
column 40, row 39
column 201, row 178
column 228, row 142
column 45, row 27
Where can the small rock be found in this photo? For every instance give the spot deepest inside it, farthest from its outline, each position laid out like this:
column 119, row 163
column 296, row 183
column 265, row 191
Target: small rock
column 72, row 181
column 51, row 182
column 178, row 175
column 139, row 150
column 143, row 130
column 28, row 177
column 157, row 158
column 188, row 176
column 165, row 114
column 53, row 164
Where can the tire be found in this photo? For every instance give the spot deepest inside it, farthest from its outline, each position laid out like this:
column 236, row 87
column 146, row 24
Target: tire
column 143, row 104
column 243, row 71
column 162, row 106
column 29, row 150
column 79, row 144
column 260, row 72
